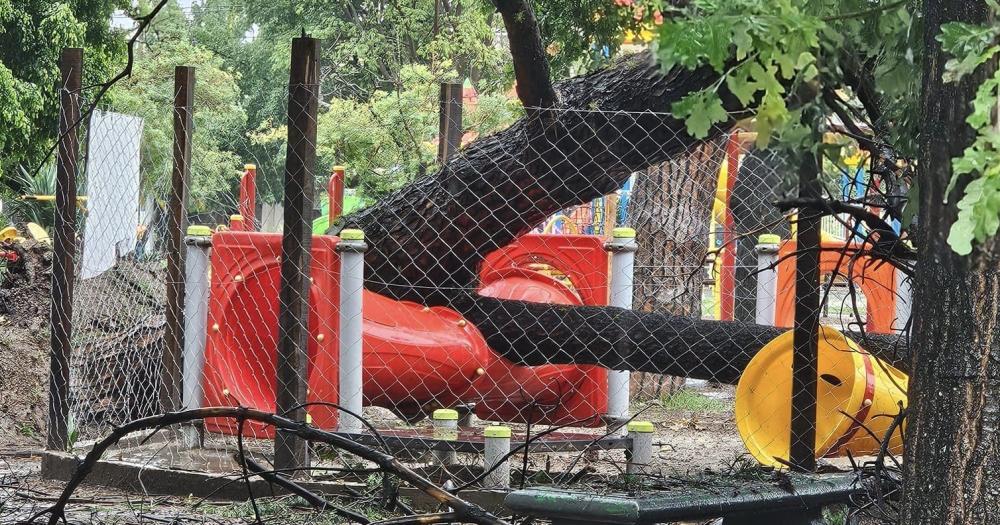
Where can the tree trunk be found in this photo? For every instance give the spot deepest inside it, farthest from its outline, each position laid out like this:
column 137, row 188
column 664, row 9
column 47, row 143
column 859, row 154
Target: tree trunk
column 670, row 209
column 620, row 339
column 763, row 178
column 952, row 455
column 427, row 239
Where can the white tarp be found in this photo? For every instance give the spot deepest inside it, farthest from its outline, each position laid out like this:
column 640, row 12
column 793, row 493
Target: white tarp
column 112, row 191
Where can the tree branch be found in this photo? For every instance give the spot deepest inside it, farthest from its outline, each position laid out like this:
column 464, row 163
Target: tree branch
column 886, row 242
column 126, row 72
column 465, row 511
column 531, row 67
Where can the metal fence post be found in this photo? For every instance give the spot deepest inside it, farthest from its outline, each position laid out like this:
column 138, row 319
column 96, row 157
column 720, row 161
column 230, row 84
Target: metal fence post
column 641, row 454
column 445, row 429
column 805, row 360
column 450, row 121
column 296, row 243
column 352, row 279
column 622, row 248
column 170, row 377
column 767, row 278
column 496, row 448
column 64, row 249
column 196, row 294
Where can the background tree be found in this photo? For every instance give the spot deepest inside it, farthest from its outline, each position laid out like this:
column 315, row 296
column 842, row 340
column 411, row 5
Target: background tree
column 219, row 116
column 32, row 33
column 952, row 455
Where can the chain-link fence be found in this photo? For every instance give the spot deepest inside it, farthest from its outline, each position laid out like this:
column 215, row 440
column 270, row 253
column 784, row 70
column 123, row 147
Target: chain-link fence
column 566, row 278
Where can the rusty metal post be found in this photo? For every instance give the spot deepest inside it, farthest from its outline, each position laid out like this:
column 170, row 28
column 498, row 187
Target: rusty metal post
column 64, row 248
column 293, row 316
column 180, row 179
column 450, row 124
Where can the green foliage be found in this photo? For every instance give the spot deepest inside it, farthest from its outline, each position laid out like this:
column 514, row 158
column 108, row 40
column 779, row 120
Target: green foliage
column 686, row 399
column 391, row 138
column 34, row 182
column 218, row 118
column 758, row 46
column 979, row 208
column 32, row 35
column 771, row 51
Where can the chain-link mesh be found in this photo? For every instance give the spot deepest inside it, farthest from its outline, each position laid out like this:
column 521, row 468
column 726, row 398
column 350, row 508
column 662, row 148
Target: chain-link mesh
column 487, row 284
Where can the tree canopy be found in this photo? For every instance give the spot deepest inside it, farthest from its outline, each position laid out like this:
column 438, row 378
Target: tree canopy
column 32, row 34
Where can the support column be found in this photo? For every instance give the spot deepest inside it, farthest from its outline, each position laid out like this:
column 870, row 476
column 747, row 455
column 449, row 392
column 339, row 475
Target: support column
column 445, row 429
column 196, row 288
column 767, row 278
column 641, row 453
column 450, row 121
column 805, row 360
column 290, row 451
column 64, row 250
column 622, row 248
column 248, row 198
column 497, row 446
column 352, row 278
column 177, row 207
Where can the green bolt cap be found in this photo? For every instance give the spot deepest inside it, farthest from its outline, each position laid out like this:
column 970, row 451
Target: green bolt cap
column 623, row 233
column 769, row 238
column 497, row 431
column 642, row 427
column 198, row 230
column 445, row 414
column 352, row 235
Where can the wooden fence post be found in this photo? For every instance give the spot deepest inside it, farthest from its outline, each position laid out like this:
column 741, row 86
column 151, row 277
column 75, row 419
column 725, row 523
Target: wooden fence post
column 450, row 122
column 180, row 180
column 293, row 317
column 64, row 248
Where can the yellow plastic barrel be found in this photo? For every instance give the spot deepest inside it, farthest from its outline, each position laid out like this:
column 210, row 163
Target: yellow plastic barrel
column 853, row 388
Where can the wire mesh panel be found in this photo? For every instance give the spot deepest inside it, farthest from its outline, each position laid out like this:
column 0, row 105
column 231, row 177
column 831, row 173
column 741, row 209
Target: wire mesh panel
column 563, row 277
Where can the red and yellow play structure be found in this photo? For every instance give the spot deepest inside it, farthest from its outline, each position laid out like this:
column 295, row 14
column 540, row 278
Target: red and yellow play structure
column 415, row 358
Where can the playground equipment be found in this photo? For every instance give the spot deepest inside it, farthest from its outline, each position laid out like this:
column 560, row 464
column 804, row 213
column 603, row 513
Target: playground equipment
column 415, row 359
column 854, row 389
column 886, row 294
column 598, row 217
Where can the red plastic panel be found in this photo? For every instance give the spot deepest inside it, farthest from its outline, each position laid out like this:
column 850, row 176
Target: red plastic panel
column 558, row 269
column 581, row 258
column 241, row 347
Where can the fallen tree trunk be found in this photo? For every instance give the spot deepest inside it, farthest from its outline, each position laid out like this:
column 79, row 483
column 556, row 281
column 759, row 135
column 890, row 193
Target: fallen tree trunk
column 426, row 240
column 620, row 339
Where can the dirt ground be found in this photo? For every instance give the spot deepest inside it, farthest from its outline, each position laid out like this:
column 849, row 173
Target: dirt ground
column 694, row 433
column 24, row 344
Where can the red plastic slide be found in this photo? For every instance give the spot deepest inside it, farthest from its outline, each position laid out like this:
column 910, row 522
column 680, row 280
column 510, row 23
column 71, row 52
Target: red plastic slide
column 416, row 359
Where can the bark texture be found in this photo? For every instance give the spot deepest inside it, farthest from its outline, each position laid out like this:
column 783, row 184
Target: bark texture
column 763, row 178
column 427, row 239
column 952, row 455
column 670, row 209
column 620, row 339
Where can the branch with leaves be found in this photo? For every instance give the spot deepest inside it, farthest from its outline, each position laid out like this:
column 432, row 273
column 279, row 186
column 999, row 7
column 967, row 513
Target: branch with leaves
column 104, row 87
